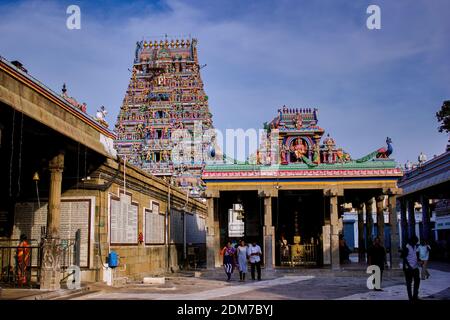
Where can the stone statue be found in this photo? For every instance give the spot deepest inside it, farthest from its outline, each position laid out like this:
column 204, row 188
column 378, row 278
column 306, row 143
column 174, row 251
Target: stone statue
column 422, row 158
column 316, row 156
column 100, row 116
column 138, row 49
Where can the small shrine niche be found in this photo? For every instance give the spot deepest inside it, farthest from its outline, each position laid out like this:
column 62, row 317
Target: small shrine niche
column 300, row 139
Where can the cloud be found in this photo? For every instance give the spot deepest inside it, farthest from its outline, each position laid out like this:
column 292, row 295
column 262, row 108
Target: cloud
column 259, row 55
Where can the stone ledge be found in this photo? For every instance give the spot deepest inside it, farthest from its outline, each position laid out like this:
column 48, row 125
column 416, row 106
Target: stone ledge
column 56, row 294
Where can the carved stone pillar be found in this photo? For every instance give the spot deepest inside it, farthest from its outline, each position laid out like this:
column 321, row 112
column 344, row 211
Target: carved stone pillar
column 411, row 218
column 212, row 236
column 403, row 221
column 369, row 222
column 51, row 266
column 334, row 219
column 380, row 218
column 269, row 235
column 361, row 244
column 395, row 259
column 425, row 218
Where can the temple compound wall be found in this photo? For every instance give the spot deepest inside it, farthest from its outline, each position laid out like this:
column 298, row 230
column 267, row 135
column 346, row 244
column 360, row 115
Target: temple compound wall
column 64, row 187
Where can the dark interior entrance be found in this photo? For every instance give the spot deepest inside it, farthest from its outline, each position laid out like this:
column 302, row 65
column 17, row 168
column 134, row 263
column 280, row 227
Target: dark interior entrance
column 253, row 215
column 298, row 213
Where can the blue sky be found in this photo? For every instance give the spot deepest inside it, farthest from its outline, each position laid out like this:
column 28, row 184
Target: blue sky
column 260, row 55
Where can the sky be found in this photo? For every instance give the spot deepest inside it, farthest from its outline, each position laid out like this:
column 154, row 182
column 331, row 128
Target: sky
column 259, row 56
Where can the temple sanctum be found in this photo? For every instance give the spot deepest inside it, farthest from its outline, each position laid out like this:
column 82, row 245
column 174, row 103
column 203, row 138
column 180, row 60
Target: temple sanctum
column 291, row 195
column 165, row 94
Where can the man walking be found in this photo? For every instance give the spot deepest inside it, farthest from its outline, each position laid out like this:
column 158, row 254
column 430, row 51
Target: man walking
column 377, row 256
column 411, row 268
column 424, row 254
column 254, row 254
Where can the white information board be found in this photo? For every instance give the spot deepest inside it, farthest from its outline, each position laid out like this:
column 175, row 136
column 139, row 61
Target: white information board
column 124, row 220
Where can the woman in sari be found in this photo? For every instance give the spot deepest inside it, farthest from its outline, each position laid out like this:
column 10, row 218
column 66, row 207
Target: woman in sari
column 23, row 260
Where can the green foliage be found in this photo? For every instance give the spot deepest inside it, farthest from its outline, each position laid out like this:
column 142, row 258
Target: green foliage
column 443, row 117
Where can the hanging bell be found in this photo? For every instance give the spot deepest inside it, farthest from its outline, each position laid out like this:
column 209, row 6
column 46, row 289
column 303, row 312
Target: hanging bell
column 36, row 176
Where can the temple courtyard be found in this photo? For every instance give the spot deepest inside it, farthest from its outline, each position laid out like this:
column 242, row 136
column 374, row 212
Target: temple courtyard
column 282, row 284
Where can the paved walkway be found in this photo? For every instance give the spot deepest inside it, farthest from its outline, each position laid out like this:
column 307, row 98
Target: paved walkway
column 302, row 284
column 217, row 293
column 434, row 287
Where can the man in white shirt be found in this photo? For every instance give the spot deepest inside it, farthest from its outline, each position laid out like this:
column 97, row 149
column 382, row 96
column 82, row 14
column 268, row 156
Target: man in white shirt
column 424, row 254
column 254, row 254
column 411, row 267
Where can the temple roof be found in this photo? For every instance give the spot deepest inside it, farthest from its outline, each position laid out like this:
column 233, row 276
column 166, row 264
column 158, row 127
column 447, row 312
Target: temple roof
column 374, row 164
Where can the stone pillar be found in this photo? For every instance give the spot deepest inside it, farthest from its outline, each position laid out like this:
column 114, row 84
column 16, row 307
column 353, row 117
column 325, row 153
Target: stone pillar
column 411, row 219
column 269, row 235
column 51, row 266
column 380, row 218
column 326, row 243
column 334, row 219
column 369, row 222
column 212, row 236
column 395, row 258
column 361, row 247
column 425, row 218
column 403, row 221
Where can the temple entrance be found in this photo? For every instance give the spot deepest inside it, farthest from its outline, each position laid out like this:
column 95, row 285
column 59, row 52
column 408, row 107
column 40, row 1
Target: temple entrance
column 298, row 217
column 240, row 217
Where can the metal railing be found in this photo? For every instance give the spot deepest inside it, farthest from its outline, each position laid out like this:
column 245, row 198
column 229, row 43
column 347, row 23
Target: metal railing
column 26, row 272
column 293, row 255
column 20, row 272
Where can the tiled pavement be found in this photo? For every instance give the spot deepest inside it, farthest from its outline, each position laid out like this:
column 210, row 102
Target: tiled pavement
column 349, row 284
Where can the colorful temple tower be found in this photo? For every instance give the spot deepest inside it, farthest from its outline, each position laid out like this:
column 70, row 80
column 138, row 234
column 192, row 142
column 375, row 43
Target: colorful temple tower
column 165, row 94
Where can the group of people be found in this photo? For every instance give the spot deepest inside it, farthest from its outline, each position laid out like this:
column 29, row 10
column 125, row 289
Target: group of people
column 415, row 263
column 238, row 256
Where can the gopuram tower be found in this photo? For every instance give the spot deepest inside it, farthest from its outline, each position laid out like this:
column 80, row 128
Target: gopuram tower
column 165, row 96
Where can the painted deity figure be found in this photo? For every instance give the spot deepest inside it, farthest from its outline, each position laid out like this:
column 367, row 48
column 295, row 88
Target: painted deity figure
column 138, row 49
column 316, row 155
column 299, row 149
column 298, row 121
column 283, row 154
column 100, row 116
column 258, row 157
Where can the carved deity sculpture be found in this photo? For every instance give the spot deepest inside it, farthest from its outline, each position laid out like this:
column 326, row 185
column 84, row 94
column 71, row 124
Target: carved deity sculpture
column 298, row 121
column 283, row 154
column 316, row 156
column 299, row 149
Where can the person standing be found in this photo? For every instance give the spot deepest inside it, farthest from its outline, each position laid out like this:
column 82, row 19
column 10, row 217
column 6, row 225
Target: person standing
column 228, row 253
column 242, row 260
column 377, row 256
column 23, row 260
column 284, row 251
column 424, row 254
column 254, row 253
column 411, row 267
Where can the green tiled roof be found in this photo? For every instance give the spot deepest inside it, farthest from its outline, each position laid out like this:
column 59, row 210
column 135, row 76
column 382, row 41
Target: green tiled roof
column 371, row 164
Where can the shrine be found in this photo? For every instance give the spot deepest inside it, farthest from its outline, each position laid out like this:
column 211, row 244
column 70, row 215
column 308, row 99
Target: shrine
column 165, row 94
column 295, row 189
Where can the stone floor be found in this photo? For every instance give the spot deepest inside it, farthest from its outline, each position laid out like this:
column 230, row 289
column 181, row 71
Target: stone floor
column 317, row 284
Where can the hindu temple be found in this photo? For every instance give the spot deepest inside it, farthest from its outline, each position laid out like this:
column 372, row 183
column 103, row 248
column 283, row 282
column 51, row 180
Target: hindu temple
column 296, row 189
column 165, row 93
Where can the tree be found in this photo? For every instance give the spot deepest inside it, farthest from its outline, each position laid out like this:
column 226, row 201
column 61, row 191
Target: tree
column 443, row 117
